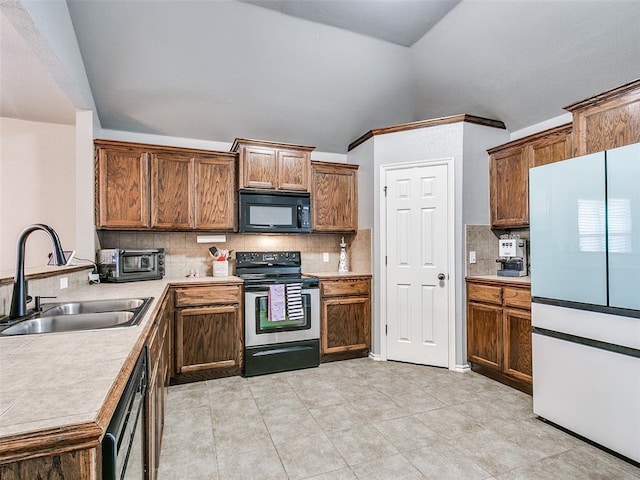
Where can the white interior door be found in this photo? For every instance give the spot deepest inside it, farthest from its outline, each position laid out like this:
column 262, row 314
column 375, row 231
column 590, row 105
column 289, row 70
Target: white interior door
column 417, row 230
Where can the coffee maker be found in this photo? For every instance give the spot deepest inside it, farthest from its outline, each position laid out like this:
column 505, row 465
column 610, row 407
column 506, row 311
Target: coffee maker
column 513, row 256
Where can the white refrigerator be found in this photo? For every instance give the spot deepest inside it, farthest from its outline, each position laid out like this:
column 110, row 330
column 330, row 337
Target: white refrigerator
column 585, row 284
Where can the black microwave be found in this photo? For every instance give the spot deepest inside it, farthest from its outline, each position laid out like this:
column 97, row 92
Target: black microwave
column 274, row 212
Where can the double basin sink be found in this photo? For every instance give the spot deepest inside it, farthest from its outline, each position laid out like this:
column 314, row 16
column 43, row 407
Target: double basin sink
column 85, row 315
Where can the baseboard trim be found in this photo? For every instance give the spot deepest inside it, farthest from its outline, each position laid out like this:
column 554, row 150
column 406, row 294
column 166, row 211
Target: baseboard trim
column 462, row 368
column 375, row 356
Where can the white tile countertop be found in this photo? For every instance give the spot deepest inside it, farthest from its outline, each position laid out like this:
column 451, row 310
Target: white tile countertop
column 57, row 380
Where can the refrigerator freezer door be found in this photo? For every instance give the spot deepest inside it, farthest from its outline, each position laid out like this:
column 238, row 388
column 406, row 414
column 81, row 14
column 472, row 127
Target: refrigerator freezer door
column 592, row 392
column 623, row 233
column 567, row 228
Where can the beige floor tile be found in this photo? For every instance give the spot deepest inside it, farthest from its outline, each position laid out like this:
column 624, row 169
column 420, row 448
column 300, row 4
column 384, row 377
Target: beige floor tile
column 288, row 426
column 310, row 456
column 406, row 433
column 361, row 444
column 435, row 466
column 320, row 397
column 261, row 464
column 310, row 423
column 492, row 452
column 281, row 402
column 341, row 474
column 338, row 417
column 449, row 422
column 387, row 468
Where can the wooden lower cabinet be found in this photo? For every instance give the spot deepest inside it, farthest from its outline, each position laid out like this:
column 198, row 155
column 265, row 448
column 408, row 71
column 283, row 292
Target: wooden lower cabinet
column 159, row 345
column 208, row 332
column 75, row 465
column 499, row 331
column 345, row 318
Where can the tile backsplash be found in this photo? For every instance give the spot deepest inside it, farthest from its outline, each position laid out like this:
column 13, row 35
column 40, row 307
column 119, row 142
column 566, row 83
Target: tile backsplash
column 44, row 287
column 484, row 241
column 184, row 255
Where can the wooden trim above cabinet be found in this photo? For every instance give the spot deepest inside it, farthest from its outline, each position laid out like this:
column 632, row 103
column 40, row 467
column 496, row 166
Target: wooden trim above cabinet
column 487, row 122
column 621, row 91
column 159, row 148
column 524, row 141
column 239, row 142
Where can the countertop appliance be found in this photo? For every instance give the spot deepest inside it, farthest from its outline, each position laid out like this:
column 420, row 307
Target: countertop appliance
column 130, row 264
column 281, row 333
column 123, row 445
column 512, row 252
column 274, row 212
column 585, row 284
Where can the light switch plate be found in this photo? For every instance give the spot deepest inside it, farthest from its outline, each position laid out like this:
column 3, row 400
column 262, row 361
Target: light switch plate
column 64, row 282
column 325, row 257
column 472, row 257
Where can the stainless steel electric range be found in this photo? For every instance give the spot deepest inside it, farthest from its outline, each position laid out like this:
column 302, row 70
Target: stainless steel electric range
column 282, row 313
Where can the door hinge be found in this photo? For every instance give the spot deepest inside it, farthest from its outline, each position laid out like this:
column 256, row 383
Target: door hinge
column 385, row 190
column 386, row 330
column 385, row 260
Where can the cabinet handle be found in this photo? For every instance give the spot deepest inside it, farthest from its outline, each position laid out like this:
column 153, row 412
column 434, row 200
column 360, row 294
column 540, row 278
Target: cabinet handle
column 441, row 276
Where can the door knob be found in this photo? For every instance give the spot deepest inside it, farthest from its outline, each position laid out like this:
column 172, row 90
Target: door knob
column 441, row 276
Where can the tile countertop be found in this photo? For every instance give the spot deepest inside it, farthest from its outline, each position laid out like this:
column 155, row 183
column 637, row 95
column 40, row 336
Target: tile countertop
column 57, row 381
column 495, row 278
column 338, row 276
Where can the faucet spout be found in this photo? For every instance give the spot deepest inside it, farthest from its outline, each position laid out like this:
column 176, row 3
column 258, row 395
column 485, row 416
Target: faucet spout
column 19, row 298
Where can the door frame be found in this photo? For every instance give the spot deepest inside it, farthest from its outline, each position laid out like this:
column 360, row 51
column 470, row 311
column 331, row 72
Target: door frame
column 451, row 273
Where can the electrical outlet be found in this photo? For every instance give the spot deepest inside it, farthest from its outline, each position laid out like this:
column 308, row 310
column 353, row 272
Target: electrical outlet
column 64, row 283
column 325, row 257
column 472, row 257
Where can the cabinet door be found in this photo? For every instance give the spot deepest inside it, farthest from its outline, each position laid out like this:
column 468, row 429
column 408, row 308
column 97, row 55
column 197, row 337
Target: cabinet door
column 485, row 335
column 207, row 338
column 345, row 325
column 334, row 199
column 171, row 191
column 554, row 148
column 517, row 339
column 259, row 168
column 508, row 181
column 293, row 170
column 215, row 197
column 123, row 188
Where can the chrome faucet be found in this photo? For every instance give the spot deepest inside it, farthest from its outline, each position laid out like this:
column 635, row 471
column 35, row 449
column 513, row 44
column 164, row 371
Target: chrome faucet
column 19, row 298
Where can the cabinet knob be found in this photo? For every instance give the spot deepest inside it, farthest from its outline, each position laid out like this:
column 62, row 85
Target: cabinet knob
column 441, row 276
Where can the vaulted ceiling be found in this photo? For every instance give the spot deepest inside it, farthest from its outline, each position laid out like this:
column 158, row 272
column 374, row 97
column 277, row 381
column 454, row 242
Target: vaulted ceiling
column 323, row 72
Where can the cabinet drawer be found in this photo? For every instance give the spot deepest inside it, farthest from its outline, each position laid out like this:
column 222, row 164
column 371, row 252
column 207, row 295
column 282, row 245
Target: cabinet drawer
column 517, row 297
column 484, row 293
column 334, row 288
column 194, row 296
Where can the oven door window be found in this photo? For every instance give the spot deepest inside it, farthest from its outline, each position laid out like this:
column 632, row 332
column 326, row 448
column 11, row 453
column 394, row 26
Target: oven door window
column 138, row 263
column 272, row 215
column 264, row 325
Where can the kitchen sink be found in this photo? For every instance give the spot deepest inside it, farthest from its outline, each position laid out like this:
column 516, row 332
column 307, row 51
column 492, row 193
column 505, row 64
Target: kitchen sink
column 85, row 315
column 92, row 306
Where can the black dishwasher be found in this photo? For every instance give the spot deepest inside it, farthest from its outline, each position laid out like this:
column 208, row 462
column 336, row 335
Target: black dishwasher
column 123, row 446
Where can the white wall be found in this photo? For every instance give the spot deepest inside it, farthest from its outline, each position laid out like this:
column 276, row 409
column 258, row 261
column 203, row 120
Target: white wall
column 464, row 142
column 37, row 185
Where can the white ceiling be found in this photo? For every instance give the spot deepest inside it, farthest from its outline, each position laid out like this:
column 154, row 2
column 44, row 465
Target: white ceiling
column 312, row 72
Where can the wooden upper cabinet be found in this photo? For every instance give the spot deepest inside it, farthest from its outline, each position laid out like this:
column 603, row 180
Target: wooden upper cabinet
column 508, row 183
column 273, row 166
column 141, row 186
column 554, row 146
column 171, row 191
column 215, row 193
column 334, row 197
column 259, row 168
column 608, row 120
column 122, row 188
column 509, row 172
column 293, row 170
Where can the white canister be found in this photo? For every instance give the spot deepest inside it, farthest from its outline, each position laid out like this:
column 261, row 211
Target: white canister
column 220, row 269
